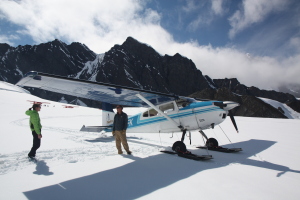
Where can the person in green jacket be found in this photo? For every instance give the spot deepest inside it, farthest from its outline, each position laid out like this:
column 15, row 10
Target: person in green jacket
column 36, row 127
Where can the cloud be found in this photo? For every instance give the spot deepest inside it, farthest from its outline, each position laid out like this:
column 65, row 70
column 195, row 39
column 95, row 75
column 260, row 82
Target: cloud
column 216, row 6
column 191, row 6
column 86, row 21
column 8, row 39
column 204, row 12
column 264, row 72
column 253, row 11
column 102, row 24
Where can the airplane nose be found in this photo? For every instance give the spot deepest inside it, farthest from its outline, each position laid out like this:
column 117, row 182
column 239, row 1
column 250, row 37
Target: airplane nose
column 228, row 105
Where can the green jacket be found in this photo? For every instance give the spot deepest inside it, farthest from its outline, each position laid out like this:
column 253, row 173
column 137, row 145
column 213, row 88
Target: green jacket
column 34, row 120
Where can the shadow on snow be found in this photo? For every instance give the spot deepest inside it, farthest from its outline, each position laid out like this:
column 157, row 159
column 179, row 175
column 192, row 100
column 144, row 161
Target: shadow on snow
column 42, row 169
column 146, row 175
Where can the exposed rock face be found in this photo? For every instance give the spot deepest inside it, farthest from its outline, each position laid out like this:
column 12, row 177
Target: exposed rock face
column 138, row 65
column 295, row 105
column 235, row 86
column 293, row 89
column 53, row 57
column 250, row 106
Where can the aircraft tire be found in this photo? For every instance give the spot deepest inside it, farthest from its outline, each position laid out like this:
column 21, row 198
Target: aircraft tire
column 179, row 147
column 212, row 142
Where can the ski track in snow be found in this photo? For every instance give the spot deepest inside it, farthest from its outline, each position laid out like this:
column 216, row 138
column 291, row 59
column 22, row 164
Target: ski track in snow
column 97, row 146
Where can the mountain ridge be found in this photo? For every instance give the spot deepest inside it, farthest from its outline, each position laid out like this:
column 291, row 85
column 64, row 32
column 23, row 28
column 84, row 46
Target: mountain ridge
column 132, row 64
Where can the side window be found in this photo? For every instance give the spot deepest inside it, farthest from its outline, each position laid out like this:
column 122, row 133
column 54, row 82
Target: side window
column 181, row 103
column 146, row 114
column 150, row 113
column 167, row 107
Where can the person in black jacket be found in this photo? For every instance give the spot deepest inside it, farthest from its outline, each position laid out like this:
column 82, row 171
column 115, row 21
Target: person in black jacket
column 119, row 130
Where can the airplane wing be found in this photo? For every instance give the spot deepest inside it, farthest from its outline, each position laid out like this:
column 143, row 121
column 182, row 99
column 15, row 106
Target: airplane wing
column 103, row 92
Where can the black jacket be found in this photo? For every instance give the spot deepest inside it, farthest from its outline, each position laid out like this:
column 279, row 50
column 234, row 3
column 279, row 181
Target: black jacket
column 120, row 122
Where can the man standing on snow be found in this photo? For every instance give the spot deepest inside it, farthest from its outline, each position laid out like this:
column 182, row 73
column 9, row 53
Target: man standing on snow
column 119, row 130
column 35, row 126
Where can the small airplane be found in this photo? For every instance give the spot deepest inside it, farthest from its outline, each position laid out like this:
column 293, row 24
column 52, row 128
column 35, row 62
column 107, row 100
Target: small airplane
column 37, row 102
column 68, row 106
column 165, row 113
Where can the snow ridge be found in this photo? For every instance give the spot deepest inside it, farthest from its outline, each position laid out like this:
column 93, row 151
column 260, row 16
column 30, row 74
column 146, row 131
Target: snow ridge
column 91, row 68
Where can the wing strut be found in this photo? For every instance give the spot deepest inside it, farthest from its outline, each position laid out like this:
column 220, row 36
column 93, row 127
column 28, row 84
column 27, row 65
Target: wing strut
column 159, row 111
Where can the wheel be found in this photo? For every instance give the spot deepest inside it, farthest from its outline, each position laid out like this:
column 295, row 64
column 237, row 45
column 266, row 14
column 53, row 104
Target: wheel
column 179, row 147
column 212, row 142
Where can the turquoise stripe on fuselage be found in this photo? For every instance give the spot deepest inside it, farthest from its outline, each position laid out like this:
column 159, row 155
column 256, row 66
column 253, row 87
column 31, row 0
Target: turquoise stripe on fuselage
column 135, row 121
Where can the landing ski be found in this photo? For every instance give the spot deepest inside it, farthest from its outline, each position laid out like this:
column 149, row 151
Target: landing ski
column 189, row 155
column 222, row 149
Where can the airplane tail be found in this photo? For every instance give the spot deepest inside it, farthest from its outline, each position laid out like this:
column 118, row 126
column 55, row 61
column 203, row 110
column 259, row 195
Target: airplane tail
column 107, row 120
column 107, row 114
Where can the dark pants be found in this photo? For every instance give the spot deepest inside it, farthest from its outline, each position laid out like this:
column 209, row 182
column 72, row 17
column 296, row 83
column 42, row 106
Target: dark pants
column 36, row 144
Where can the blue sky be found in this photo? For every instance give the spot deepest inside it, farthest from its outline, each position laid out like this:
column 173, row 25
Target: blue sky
column 256, row 41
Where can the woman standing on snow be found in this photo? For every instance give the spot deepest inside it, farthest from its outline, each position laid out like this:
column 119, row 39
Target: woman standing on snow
column 35, row 126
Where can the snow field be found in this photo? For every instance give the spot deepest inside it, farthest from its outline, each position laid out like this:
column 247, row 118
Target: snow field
column 81, row 165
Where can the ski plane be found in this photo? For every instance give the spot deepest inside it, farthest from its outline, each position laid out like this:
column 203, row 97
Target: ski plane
column 165, row 112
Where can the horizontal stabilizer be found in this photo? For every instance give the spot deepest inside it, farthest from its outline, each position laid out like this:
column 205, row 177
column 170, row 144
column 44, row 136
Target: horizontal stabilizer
column 94, row 128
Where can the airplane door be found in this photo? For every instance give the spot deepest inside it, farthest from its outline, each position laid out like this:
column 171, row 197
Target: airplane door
column 197, row 118
column 171, row 110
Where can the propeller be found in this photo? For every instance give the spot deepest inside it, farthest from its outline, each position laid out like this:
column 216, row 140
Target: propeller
column 225, row 106
column 233, row 120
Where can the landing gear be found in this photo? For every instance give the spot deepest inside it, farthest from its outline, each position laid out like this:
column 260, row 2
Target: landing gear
column 179, row 147
column 212, row 142
column 213, row 145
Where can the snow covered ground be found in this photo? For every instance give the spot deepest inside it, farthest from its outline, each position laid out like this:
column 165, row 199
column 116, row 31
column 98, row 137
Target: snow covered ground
column 77, row 165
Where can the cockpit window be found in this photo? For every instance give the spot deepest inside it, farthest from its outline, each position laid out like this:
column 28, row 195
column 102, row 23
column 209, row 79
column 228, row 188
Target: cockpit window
column 181, row 103
column 167, row 107
column 150, row 113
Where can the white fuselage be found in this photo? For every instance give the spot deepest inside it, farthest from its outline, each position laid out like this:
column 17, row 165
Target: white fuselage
column 196, row 115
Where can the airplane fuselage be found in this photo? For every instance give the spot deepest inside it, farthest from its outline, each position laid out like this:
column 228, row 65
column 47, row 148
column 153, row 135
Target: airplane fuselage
column 194, row 116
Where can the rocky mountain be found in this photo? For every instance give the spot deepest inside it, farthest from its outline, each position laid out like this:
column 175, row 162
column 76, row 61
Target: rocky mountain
column 53, row 57
column 250, row 106
column 293, row 89
column 132, row 64
column 138, row 65
column 235, row 86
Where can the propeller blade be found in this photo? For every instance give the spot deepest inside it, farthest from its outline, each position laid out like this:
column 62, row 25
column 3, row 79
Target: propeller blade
column 233, row 120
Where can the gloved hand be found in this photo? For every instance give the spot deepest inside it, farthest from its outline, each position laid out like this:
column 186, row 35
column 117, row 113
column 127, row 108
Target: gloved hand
column 113, row 133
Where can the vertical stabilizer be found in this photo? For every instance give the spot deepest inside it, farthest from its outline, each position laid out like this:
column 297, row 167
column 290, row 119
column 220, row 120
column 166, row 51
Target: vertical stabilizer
column 107, row 114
